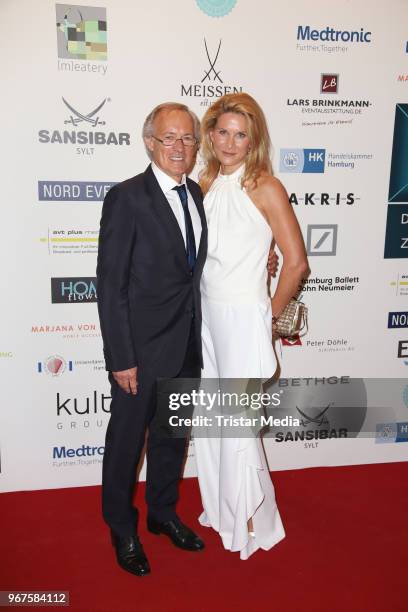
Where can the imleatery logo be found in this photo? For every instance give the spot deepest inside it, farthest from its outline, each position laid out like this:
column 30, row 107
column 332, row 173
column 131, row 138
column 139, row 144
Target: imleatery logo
column 216, row 8
column 81, row 32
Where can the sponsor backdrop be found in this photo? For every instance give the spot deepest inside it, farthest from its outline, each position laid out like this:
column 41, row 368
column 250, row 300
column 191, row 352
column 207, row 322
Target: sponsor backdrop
column 333, row 81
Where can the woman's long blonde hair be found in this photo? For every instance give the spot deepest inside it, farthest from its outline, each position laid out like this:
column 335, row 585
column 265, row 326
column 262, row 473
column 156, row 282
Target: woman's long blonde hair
column 258, row 159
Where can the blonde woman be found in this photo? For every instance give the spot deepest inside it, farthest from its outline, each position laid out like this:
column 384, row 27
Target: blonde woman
column 246, row 208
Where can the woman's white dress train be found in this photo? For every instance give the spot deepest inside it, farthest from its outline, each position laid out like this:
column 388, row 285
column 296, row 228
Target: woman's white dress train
column 233, row 474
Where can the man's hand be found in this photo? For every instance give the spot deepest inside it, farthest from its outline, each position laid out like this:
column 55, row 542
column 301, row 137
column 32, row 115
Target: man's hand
column 272, row 264
column 127, row 380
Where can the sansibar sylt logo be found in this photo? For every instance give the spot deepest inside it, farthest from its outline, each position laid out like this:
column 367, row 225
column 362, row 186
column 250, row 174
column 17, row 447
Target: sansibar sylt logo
column 216, row 8
column 212, row 81
column 396, row 236
column 82, row 132
column 302, row 160
column 81, row 32
column 75, row 290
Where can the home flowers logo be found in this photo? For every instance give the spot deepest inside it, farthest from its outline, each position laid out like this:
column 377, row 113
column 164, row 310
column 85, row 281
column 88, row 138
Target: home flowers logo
column 216, row 8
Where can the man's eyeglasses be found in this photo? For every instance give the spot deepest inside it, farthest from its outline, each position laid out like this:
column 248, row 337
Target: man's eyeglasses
column 169, row 141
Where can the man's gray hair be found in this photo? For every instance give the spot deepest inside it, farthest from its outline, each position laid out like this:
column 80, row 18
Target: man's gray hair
column 148, row 128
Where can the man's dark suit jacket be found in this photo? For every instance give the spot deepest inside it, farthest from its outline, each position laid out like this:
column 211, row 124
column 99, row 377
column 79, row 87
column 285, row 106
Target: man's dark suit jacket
column 146, row 293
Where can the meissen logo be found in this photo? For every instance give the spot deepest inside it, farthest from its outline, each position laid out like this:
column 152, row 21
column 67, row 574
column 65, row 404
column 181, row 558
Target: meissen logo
column 73, row 137
column 77, row 290
column 211, row 84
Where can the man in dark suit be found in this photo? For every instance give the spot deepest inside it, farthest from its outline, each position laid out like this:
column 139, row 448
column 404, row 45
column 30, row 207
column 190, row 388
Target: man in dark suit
column 152, row 248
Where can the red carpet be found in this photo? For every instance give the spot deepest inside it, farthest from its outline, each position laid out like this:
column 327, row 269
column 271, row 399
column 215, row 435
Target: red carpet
column 346, row 549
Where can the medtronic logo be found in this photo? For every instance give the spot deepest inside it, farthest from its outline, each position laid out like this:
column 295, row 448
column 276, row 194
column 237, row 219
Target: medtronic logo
column 302, row 160
column 397, row 320
column 81, row 32
column 332, row 35
column 62, row 452
column 78, row 290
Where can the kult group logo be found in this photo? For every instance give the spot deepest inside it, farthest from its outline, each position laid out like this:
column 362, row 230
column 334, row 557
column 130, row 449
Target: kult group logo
column 396, row 235
column 304, row 161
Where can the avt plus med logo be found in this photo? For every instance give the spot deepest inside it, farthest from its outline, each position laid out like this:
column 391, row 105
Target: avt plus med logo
column 76, row 290
column 302, row 160
column 81, row 32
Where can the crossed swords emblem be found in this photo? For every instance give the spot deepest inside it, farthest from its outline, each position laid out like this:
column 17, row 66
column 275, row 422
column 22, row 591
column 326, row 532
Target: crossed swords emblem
column 319, row 419
column 212, row 64
column 77, row 117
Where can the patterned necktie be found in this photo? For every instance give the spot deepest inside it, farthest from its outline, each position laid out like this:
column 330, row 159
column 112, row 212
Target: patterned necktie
column 190, row 240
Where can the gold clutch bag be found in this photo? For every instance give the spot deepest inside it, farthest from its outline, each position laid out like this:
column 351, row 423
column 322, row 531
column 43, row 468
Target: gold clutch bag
column 293, row 320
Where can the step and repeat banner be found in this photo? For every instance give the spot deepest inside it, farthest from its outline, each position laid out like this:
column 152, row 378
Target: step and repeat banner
column 78, row 81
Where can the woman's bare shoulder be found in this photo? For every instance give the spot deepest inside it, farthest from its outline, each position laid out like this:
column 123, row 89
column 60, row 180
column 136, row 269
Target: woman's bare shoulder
column 269, row 190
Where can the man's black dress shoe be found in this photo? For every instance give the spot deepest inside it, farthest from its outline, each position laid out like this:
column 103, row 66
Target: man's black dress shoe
column 181, row 535
column 130, row 554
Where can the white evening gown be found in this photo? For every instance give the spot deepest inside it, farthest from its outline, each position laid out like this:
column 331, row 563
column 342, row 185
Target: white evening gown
column 233, row 474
